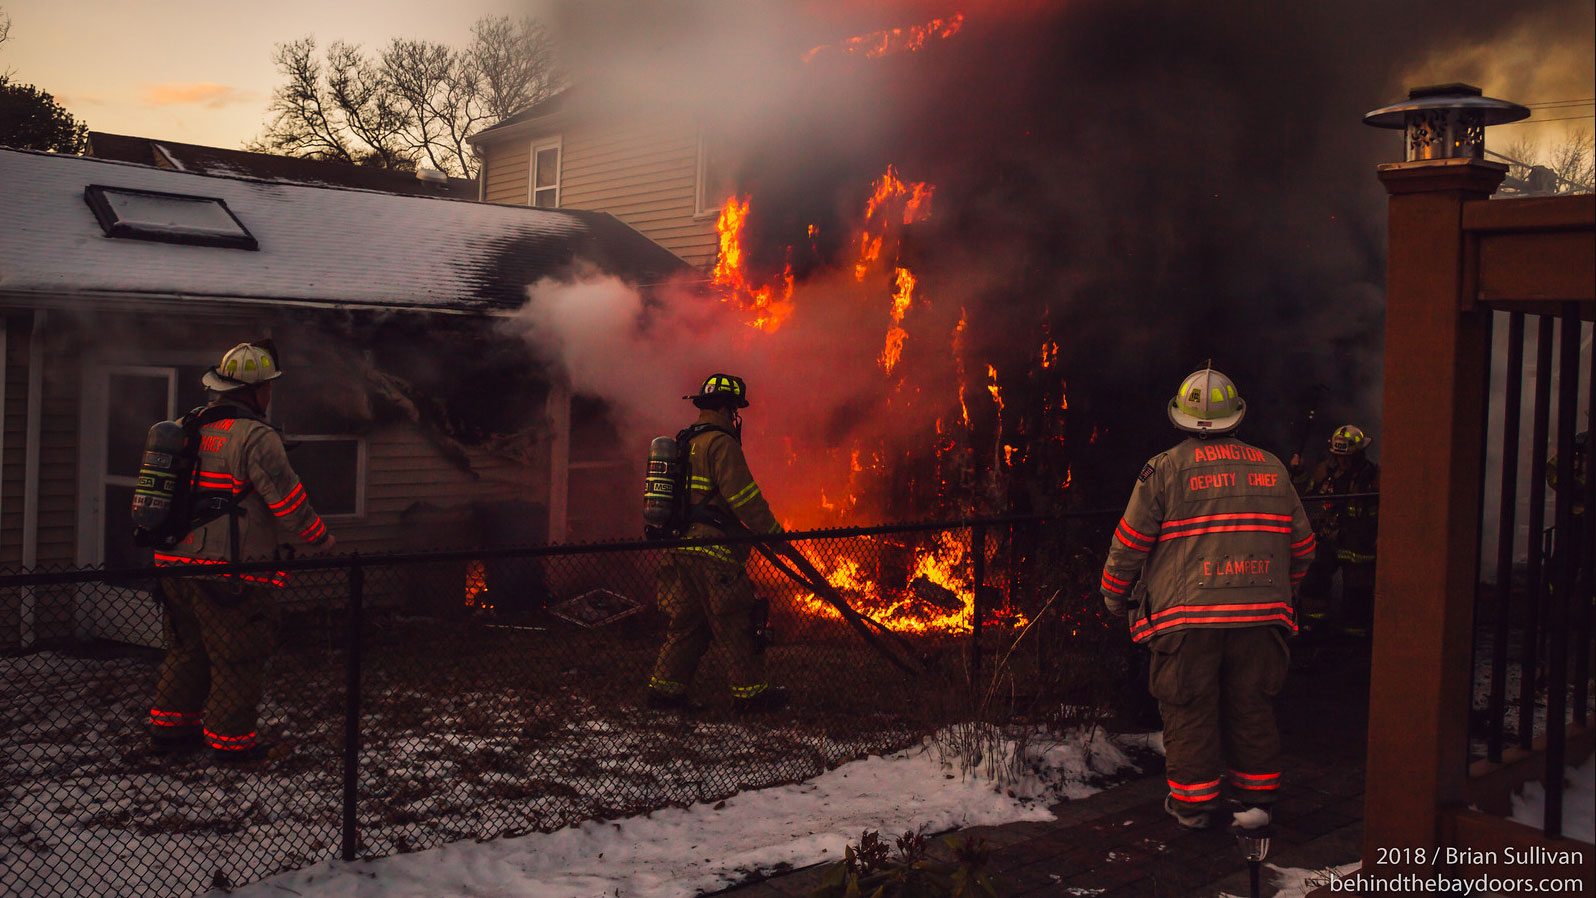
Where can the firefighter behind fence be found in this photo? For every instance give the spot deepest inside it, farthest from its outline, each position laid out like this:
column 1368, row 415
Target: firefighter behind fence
column 1346, row 530
column 1220, row 538
column 219, row 631
column 705, row 589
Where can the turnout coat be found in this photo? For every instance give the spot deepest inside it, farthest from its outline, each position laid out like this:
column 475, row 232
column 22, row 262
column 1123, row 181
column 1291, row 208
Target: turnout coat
column 244, row 455
column 1218, row 534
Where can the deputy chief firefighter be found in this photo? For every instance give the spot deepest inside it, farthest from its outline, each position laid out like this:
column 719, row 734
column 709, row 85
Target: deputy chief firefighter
column 705, row 589
column 1218, row 535
column 220, row 630
column 1346, row 528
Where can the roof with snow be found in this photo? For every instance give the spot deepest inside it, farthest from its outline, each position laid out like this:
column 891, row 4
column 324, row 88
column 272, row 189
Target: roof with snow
column 317, row 245
column 268, row 167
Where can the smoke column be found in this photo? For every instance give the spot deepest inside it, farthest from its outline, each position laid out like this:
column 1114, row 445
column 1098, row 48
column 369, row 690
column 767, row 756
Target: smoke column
column 1156, row 183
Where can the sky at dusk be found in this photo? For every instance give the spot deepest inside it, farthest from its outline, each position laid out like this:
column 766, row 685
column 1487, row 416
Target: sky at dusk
column 200, row 71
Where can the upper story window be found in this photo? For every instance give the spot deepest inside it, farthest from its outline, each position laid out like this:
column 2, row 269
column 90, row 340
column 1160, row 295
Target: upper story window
column 545, row 174
column 167, row 217
column 715, row 183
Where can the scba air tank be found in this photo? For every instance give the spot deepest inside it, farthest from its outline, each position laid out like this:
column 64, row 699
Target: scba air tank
column 159, row 474
column 660, row 483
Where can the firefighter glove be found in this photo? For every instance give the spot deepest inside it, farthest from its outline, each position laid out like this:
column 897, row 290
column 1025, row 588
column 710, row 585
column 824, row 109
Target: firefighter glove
column 1116, row 606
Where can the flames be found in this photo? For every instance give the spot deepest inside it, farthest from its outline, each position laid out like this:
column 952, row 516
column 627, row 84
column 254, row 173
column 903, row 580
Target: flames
column 766, row 305
column 888, row 41
column 476, row 583
column 921, row 585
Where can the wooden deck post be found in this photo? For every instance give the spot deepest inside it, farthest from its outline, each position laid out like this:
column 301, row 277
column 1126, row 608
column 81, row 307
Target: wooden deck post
column 1436, row 344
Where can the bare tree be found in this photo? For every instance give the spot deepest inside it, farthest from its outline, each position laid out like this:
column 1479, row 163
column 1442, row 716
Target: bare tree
column 1570, row 167
column 5, row 32
column 1574, row 161
column 515, row 63
column 414, row 103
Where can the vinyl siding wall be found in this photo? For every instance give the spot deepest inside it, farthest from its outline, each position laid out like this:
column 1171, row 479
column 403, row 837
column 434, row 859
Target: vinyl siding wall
column 416, row 498
column 644, row 173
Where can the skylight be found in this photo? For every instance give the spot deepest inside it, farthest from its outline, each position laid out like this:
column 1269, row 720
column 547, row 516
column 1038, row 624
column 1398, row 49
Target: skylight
column 167, row 217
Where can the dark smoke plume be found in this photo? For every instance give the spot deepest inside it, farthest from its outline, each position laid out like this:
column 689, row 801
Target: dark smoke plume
column 1154, row 183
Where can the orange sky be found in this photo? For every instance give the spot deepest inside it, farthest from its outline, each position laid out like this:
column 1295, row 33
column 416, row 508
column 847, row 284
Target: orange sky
column 200, row 72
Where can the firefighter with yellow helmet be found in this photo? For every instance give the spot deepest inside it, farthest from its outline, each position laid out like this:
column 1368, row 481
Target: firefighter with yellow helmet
column 1346, row 528
column 1218, row 538
column 220, row 630
column 705, row 589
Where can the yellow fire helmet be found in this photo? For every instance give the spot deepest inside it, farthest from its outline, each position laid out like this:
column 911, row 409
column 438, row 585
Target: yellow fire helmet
column 1348, row 439
column 1206, row 404
column 245, row 365
column 720, row 388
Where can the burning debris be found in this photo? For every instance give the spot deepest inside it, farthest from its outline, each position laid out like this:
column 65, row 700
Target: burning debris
column 890, row 40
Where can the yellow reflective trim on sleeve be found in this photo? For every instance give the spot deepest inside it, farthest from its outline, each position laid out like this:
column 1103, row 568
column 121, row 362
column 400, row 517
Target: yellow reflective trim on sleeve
column 719, row 553
column 744, row 496
column 702, row 483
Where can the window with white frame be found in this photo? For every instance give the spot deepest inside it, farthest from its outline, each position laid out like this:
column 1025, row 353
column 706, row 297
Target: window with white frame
column 545, row 174
column 715, row 184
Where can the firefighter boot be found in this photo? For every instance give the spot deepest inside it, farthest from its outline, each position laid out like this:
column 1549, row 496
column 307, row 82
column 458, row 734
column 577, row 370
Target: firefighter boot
column 666, row 701
column 765, row 699
column 1198, row 820
column 172, row 741
column 259, row 751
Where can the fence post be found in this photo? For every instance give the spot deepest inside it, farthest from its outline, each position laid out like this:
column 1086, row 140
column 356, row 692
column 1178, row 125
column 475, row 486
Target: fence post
column 353, row 638
column 978, row 603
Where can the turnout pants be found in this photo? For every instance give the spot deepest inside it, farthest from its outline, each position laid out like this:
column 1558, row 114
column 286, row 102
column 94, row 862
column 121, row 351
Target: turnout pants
column 1355, row 611
column 1216, row 688
column 707, row 600
column 219, row 634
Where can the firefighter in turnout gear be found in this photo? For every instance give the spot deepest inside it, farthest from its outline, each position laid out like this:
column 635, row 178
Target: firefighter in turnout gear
column 1346, row 529
column 220, row 630
column 1219, row 538
column 705, row 589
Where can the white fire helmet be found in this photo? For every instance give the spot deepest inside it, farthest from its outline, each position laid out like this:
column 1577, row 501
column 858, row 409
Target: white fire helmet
column 1206, row 404
column 1348, row 439
column 245, row 365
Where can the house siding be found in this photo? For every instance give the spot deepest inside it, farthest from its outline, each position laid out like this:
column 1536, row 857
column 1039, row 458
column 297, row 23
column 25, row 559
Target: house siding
column 416, row 498
column 643, row 173
column 15, row 450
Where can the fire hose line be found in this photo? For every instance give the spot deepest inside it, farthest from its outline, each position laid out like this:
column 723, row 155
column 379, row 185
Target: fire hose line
column 785, row 558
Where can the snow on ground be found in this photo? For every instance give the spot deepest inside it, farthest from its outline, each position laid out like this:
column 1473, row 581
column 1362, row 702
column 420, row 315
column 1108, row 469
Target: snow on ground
column 1297, row 882
column 681, row 852
column 1513, row 682
column 1579, row 802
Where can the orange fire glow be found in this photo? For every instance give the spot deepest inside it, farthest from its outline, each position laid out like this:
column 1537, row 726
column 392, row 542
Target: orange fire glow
column 923, row 585
column 888, row 41
column 476, row 583
column 767, row 305
column 902, row 296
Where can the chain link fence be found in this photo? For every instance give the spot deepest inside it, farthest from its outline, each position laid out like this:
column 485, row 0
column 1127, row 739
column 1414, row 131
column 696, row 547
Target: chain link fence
column 410, row 701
